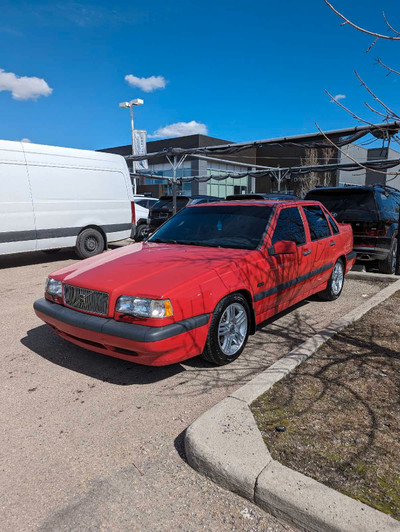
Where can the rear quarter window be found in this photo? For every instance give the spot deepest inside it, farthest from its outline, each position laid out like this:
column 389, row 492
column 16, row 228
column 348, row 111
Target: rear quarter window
column 318, row 224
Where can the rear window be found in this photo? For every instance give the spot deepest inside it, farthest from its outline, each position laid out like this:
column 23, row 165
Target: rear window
column 347, row 205
column 166, row 204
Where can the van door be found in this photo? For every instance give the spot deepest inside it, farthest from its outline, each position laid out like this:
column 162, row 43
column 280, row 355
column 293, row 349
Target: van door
column 17, row 220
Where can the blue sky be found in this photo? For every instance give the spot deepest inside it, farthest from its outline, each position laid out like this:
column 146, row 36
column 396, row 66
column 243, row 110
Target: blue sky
column 241, row 70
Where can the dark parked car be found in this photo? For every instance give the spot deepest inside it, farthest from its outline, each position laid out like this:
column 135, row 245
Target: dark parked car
column 373, row 212
column 162, row 210
column 262, row 196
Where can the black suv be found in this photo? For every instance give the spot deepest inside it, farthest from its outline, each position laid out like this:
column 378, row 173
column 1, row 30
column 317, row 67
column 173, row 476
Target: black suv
column 162, row 210
column 373, row 212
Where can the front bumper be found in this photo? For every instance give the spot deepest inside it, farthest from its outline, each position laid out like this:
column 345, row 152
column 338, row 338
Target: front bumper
column 156, row 346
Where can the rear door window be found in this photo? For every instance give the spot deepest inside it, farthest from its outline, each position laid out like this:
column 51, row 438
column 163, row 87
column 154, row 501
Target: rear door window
column 318, row 224
column 289, row 227
column 334, row 227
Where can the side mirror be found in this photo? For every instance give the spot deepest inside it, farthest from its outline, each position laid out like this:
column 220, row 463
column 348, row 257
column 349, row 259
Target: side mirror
column 284, row 247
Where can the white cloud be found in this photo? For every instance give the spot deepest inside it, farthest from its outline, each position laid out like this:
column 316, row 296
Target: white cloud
column 146, row 84
column 180, row 129
column 23, row 87
column 338, row 97
column 25, row 139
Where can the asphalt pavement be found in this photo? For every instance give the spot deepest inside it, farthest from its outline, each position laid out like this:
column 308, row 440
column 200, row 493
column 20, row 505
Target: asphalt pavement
column 88, row 442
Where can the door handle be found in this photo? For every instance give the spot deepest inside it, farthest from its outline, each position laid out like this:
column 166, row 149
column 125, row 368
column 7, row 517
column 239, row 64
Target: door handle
column 307, row 252
column 332, row 242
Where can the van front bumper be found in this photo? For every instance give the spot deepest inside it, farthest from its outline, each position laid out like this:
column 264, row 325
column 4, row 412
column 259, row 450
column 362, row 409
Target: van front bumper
column 154, row 346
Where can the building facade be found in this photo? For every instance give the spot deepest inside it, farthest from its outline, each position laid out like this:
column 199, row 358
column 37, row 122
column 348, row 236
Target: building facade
column 287, row 153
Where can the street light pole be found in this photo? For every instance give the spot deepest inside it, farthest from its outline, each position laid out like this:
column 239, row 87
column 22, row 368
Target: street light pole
column 126, row 105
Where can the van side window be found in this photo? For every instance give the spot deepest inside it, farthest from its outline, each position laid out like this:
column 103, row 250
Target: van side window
column 289, row 227
column 317, row 222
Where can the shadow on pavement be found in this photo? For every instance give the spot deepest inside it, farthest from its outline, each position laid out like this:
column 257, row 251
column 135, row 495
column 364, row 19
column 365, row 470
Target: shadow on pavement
column 15, row 260
column 48, row 345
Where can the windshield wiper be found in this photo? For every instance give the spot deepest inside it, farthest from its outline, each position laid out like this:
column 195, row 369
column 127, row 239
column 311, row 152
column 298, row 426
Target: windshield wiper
column 161, row 241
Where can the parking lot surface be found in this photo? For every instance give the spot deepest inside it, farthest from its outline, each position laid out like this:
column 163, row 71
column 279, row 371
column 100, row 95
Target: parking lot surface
column 94, row 443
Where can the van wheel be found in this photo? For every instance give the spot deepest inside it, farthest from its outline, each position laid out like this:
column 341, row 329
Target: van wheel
column 335, row 283
column 90, row 242
column 229, row 330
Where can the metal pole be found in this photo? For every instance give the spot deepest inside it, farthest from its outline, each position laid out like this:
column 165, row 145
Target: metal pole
column 133, row 150
column 397, row 268
column 174, row 186
column 279, row 179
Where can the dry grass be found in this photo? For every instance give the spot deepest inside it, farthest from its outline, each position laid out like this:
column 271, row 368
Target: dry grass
column 341, row 412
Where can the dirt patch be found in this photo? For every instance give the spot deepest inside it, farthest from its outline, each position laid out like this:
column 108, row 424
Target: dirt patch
column 341, row 412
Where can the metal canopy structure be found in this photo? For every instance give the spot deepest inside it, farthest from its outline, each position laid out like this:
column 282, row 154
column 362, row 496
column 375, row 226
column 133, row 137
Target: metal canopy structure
column 345, row 136
column 176, row 156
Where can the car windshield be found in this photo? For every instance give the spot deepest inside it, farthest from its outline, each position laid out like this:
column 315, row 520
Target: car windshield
column 226, row 226
column 165, row 204
column 347, row 204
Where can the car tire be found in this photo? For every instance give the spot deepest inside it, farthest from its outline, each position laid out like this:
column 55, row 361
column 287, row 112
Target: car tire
column 90, row 242
column 229, row 330
column 388, row 265
column 335, row 283
column 141, row 232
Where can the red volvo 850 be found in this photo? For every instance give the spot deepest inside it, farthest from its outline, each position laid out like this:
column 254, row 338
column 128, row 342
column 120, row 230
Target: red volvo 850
column 202, row 283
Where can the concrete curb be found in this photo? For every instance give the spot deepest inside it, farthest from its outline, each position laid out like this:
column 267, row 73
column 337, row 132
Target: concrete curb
column 226, row 445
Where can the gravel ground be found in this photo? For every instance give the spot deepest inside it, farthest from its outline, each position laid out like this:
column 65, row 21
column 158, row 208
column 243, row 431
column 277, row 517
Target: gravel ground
column 95, row 443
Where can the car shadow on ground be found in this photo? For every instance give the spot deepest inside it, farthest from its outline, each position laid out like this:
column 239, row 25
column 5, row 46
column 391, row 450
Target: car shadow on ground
column 45, row 343
column 15, row 260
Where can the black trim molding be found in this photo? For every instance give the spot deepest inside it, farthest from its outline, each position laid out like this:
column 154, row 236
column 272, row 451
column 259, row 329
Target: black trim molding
column 288, row 284
column 351, row 255
column 130, row 331
column 59, row 232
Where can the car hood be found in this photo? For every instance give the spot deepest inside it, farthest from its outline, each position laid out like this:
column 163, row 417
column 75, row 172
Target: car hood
column 150, row 269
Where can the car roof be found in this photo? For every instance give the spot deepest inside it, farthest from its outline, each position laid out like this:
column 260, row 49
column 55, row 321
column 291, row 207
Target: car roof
column 258, row 203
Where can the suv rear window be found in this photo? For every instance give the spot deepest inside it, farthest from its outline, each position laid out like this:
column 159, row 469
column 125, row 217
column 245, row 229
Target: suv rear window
column 347, row 204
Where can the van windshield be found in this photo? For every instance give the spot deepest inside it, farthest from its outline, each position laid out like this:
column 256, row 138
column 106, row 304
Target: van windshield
column 347, row 205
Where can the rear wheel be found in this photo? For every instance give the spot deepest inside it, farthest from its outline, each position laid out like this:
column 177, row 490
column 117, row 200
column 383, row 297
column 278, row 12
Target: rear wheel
column 229, row 330
column 335, row 283
column 90, row 242
column 388, row 265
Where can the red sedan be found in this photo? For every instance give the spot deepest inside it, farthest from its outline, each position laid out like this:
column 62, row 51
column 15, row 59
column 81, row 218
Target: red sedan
column 202, row 283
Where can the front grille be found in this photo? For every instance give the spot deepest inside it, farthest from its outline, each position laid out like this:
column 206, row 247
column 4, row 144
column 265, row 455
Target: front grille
column 86, row 300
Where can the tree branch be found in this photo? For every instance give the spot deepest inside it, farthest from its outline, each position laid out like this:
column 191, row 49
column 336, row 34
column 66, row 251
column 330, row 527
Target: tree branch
column 392, row 114
column 391, row 70
column 350, row 157
column 359, row 28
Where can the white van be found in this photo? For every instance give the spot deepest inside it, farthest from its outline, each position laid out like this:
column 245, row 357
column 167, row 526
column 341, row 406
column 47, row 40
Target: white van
column 53, row 197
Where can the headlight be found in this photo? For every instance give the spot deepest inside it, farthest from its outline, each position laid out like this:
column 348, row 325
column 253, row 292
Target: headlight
column 144, row 308
column 53, row 287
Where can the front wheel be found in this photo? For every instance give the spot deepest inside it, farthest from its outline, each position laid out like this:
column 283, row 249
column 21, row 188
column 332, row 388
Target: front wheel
column 229, row 330
column 90, row 242
column 141, row 232
column 335, row 283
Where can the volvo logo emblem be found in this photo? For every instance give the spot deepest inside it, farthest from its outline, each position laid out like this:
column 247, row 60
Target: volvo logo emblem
column 82, row 297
